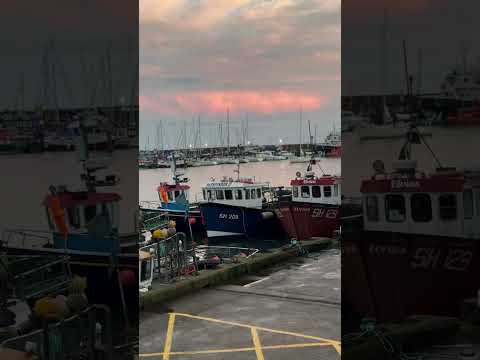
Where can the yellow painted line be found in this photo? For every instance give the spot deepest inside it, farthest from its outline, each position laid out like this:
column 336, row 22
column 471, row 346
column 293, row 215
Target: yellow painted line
column 257, row 344
column 338, row 348
column 168, row 340
column 331, row 341
column 219, row 351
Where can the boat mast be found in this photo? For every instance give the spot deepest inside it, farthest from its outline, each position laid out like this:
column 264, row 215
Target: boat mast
column 300, row 143
column 228, row 131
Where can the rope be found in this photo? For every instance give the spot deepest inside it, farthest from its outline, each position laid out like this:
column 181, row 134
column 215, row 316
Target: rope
column 368, row 327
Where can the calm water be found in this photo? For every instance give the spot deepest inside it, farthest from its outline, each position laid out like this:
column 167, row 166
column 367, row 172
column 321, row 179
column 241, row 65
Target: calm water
column 277, row 173
column 26, row 178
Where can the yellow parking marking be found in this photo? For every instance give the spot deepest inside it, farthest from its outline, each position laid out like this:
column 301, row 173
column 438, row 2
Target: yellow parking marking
column 257, row 344
column 257, row 327
column 169, row 339
column 257, row 348
column 248, row 349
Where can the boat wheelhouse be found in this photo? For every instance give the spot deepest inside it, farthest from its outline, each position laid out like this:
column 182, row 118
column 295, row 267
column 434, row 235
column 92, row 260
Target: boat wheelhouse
column 241, row 192
column 445, row 203
column 83, row 221
column 234, row 208
column 316, row 190
column 314, row 210
column 419, row 249
column 174, row 201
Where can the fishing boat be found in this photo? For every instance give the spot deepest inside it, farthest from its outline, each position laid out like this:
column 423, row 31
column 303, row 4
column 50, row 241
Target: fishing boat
column 83, row 224
column 235, row 207
column 418, row 251
column 174, row 200
column 314, row 208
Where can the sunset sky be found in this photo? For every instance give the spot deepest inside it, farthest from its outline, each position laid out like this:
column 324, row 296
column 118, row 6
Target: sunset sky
column 261, row 59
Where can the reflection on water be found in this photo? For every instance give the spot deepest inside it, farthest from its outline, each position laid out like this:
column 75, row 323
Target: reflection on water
column 277, row 173
column 26, row 178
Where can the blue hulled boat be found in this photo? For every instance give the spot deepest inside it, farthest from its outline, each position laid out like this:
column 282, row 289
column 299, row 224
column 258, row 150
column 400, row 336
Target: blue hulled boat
column 236, row 208
column 174, row 202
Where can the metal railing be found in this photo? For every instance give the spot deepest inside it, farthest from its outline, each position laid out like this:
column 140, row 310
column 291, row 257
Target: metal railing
column 172, row 258
column 46, row 275
column 150, row 205
column 154, row 221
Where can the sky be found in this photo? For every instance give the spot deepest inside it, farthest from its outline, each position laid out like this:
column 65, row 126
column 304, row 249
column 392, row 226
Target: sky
column 76, row 36
column 265, row 60
column 438, row 34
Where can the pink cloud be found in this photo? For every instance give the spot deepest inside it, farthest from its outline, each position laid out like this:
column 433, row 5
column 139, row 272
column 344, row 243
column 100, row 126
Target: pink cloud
column 216, row 102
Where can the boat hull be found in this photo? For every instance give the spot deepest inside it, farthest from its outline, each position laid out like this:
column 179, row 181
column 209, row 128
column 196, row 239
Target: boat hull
column 227, row 221
column 305, row 220
column 390, row 276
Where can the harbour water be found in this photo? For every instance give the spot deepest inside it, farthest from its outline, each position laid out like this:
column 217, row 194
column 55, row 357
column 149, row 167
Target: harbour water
column 277, row 173
column 21, row 172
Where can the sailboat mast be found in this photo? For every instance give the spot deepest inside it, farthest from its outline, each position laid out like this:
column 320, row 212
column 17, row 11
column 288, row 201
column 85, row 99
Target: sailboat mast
column 300, row 143
column 228, row 131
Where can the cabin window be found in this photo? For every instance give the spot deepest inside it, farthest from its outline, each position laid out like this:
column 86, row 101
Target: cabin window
column 170, row 196
column 395, row 208
column 305, row 191
column 145, row 271
column 238, row 195
column 316, row 191
column 228, row 195
column 327, row 191
column 90, row 212
column 204, row 194
column 177, row 194
column 259, row 193
column 468, row 204
column 253, row 194
column 74, row 217
column 335, row 190
column 295, row 191
column 477, row 201
column 421, row 206
column 210, row 195
column 448, row 207
column 247, row 194
column 219, row 194
column 372, row 208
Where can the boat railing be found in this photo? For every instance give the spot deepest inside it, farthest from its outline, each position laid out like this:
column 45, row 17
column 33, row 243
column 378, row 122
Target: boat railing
column 87, row 334
column 26, row 237
column 37, row 276
column 150, row 205
column 154, row 221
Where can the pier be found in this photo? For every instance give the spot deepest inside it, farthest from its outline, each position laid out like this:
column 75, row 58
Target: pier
column 286, row 307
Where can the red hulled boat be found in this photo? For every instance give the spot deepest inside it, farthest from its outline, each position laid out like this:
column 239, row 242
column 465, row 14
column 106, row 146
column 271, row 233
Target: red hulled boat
column 314, row 209
column 419, row 250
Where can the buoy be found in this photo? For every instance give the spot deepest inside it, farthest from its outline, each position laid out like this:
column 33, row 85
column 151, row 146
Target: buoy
column 242, row 255
column 160, row 234
column 267, row 215
column 192, row 221
column 127, row 277
column 171, row 231
column 45, row 306
column 172, row 224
